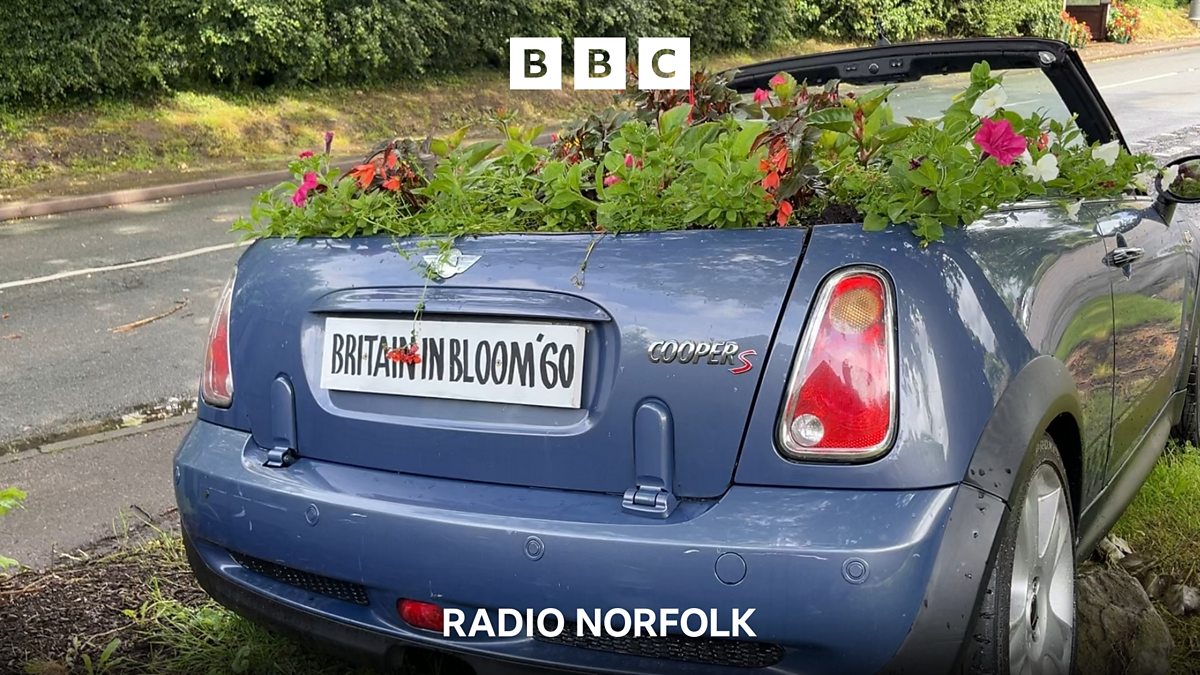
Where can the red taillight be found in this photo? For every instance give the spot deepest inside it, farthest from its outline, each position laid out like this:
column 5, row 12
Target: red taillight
column 216, row 380
column 417, row 614
column 841, row 401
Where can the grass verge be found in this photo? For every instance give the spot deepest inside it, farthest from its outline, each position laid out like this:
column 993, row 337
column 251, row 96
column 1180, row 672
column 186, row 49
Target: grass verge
column 189, row 134
column 1163, row 525
column 1162, row 22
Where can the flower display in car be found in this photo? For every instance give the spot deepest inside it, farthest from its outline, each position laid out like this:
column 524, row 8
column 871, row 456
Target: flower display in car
column 710, row 158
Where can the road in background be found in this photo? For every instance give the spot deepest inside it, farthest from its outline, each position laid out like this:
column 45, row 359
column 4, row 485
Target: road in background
column 61, row 362
column 67, row 281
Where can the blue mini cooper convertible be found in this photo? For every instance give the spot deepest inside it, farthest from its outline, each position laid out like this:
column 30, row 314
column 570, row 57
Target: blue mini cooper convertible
column 894, row 455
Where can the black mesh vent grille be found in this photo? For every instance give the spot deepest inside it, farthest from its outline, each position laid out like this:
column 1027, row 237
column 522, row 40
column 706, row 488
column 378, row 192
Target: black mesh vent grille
column 709, row 651
column 313, row 583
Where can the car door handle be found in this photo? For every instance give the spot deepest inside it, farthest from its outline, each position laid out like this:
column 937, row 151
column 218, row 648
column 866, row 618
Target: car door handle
column 1120, row 257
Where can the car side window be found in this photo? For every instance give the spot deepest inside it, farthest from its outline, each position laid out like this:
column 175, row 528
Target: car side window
column 1028, row 91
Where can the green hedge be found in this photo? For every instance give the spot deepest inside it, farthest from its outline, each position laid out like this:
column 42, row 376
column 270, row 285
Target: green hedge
column 912, row 19
column 56, row 50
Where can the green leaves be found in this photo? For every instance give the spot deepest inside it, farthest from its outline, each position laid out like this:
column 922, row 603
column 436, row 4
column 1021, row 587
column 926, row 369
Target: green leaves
column 670, row 123
column 813, row 155
column 11, row 498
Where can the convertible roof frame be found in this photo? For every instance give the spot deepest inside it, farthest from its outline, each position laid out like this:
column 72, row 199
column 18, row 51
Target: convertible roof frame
column 911, row 61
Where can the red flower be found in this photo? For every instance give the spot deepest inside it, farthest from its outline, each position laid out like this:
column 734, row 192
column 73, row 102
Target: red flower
column 784, row 213
column 780, row 159
column 364, row 174
column 1043, row 141
column 306, row 154
column 328, row 141
column 553, row 138
column 628, row 161
column 392, row 184
column 778, row 80
column 611, row 180
column 761, row 96
column 771, row 182
column 407, row 354
column 997, row 138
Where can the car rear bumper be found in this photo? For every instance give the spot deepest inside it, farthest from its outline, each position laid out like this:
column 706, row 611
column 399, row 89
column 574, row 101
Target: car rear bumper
column 840, row 581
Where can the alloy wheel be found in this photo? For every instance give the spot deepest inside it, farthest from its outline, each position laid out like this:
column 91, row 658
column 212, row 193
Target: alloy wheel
column 1041, row 613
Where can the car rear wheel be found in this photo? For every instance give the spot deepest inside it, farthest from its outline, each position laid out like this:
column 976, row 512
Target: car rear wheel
column 1026, row 623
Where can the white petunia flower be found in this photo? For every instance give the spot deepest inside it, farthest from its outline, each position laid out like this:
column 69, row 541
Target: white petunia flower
column 1073, row 210
column 1107, row 153
column 1143, row 180
column 989, row 101
column 1026, row 158
column 1045, row 169
column 1169, row 175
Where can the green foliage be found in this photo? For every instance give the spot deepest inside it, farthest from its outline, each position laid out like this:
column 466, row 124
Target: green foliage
column 904, row 20
column 720, row 163
column 104, row 662
column 61, row 49
column 58, row 50
column 672, row 175
column 55, row 50
column 932, row 176
column 206, row 638
column 1038, row 18
column 10, row 498
column 669, row 175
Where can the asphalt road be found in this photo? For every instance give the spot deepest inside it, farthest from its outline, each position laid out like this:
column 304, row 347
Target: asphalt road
column 66, row 282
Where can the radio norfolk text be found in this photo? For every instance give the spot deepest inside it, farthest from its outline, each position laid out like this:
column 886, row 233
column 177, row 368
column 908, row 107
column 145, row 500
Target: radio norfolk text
column 617, row 622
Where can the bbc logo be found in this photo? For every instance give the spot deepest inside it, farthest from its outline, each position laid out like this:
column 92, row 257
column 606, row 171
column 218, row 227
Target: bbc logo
column 536, row 63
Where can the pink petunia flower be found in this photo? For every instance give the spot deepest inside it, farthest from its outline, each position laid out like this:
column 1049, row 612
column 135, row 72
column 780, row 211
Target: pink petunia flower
column 629, row 161
column 306, row 186
column 778, row 80
column 306, row 154
column 761, row 96
column 611, row 180
column 997, row 138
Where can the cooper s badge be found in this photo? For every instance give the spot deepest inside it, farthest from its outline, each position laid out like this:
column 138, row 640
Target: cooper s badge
column 710, row 353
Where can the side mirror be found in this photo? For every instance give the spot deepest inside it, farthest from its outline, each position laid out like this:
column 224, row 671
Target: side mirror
column 1184, row 188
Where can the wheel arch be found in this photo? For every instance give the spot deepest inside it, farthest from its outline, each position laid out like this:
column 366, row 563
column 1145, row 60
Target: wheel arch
column 1064, row 431
column 1041, row 399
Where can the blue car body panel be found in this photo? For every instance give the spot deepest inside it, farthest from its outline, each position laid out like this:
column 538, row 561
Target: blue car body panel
column 688, row 287
column 1011, row 328
column 464, row 545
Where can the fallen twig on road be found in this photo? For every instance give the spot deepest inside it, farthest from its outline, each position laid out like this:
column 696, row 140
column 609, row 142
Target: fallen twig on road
column 134, row 325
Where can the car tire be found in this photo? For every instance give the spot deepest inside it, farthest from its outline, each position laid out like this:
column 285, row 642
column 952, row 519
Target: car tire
column 1026, row 620
column 1189, row 423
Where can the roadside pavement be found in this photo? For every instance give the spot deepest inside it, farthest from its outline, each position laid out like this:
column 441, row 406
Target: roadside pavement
column 100, row 487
